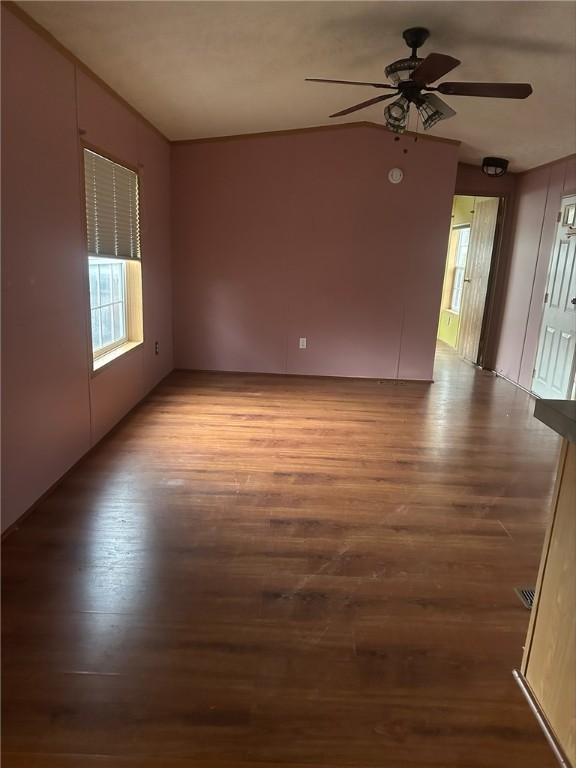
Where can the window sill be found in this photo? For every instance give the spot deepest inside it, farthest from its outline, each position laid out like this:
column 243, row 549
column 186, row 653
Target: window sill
column 104, row 361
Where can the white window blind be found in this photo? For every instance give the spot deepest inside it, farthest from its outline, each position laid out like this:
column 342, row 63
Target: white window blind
column 111, row 208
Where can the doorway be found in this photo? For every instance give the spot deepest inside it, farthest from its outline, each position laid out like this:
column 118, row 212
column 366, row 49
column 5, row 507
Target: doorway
column 467, row 276
column 554, row 370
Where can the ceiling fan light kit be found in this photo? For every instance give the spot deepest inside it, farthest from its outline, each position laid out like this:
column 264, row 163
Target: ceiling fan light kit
column 494, row 166
column 411, row 80
column 396, row 115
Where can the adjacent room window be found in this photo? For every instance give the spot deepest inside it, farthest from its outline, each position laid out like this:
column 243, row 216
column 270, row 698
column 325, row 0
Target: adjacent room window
column 463, row 238
column 113, row 233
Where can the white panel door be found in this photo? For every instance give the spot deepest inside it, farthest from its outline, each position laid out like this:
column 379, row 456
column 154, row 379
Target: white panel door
column 554, row 369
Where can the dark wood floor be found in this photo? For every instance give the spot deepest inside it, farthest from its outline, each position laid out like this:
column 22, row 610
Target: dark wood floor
column 265, row 571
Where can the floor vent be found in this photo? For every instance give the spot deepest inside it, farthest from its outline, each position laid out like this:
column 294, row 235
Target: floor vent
column 526, row 595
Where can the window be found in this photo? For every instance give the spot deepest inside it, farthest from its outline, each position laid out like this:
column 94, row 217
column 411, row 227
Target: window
column 107, row 303
column 113, row 234
column 463, row 235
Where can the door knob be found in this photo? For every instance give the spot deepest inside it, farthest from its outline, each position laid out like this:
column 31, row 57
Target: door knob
column 467, row 280
column 573, row 301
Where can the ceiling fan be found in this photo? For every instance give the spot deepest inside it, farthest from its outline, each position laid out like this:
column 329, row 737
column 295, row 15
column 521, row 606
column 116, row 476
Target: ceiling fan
column 411, row 79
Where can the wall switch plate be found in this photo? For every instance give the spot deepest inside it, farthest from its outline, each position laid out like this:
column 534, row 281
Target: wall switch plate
column 303, row 342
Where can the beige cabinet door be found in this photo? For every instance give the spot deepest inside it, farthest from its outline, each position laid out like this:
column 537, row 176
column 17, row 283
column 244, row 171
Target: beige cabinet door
column 549, row 663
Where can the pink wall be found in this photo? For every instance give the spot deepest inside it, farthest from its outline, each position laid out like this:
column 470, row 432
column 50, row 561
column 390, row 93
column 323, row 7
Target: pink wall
column 295, row 235
column 45, row 397
column 539, row 194
column 471, row 180
column 155, row 240
column 110, row 127
column 53, row 411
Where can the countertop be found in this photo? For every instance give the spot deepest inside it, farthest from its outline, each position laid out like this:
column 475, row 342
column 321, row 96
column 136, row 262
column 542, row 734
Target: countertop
column 559, row 415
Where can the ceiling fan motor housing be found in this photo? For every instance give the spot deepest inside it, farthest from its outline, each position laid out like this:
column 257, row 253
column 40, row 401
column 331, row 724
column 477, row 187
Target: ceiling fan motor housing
column 415, row 38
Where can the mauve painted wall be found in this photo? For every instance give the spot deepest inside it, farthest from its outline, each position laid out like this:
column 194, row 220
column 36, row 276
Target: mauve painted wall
column 155, row 240
column 285, row 236
column 538, row 199
column 471, row 180
column 112, row 129
column 425, row 226
column 53, row 410
column 107, row 123
column 45, row 367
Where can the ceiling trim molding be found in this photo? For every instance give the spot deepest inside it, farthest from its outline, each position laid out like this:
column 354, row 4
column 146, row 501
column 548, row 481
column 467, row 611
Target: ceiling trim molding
column 548, row 164
column 55, row 43
column 48, row 37
column 311, row 129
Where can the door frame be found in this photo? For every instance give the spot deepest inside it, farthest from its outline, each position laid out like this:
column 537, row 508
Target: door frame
column 487, row 345
column 572, row 380
column 485, row 351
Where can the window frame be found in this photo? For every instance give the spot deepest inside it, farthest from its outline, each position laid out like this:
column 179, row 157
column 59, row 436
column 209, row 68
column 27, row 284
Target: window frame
column 459, row 269
column 132, row 271
column 103, row 261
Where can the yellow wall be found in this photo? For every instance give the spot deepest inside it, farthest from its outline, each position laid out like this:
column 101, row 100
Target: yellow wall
column 448, row 327
column 462, row 210
column 449, row 324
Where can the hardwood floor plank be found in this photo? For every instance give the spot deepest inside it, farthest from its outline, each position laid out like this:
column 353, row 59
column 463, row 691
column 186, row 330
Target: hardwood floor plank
column 21, row 760
column 255, row 571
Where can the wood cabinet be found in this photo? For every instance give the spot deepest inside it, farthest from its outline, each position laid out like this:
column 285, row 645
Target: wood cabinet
column 548, row 672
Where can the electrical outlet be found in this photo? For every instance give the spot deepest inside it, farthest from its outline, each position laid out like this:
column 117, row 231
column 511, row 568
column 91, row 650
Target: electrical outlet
column 303, row 342
column 156, row 348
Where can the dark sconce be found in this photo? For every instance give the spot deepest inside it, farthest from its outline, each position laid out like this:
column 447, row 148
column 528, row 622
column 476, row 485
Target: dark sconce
column 494, row 166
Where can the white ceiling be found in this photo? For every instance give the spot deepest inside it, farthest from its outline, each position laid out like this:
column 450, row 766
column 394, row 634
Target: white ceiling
column 212, row 68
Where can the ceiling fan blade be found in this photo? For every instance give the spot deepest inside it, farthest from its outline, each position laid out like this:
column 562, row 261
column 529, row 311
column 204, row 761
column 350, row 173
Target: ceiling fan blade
column 348, row 82
column 435, row 65
column 439, row 105
column 493, row 90
column 363, row 104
